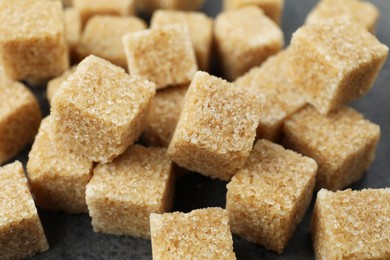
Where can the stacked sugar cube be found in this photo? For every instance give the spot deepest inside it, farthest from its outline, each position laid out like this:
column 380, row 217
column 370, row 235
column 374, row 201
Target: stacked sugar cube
column 135, row 85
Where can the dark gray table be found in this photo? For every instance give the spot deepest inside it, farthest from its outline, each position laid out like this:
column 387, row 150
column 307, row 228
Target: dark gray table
column 71, row 237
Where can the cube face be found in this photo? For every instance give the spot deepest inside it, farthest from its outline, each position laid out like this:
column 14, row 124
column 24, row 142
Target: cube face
column 103, row 37
column 361, row 12
column 274, row 80
column 58, row 178
column 20, row 116
column 28, row 50
column 261, row 207
column 54, row 84
column 200, row 28
column 102, row 106
column 121, row 195
column 162, row 55
column 331, row 73
column 164, row 115
column 217, row 127
column 21, row 233
column 343, row 144
column 352, row 224
column 201, row 234
column 244, row 39
column 149, row 6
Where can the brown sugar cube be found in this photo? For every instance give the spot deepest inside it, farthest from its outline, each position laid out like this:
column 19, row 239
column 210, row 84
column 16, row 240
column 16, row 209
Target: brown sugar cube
column 21, row 233
column 199, row 234
column 149, row 6
column 163, row 55
column 99, row 110
column 274, row 80
column 20, row 117
column 54, row 84
column 29, row 50
column 261, row 207
column 72, row 30
column 352, row 224
column 217, row 127
column 272, row 8
column 89, row 8
column 200, row 28
column 164, row 115
column 343, row 144
column 245, row 38
column 102, row 37
column 121, row 195
column 335, row 62
column 361, row 12
column 58, row 177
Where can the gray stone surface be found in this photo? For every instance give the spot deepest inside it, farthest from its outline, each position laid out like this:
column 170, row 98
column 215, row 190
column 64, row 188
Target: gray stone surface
column 71, row 237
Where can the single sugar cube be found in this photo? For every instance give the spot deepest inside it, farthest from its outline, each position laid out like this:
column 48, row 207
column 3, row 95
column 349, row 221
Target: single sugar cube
column 121, row 195
column 217, row 127
column 361, row 12
column 272, row 8
column 54, row 84
column 343, row 144
column 103, row 34
column 149, row 6
column 274, row 80
column 58, row 177
column 163, row 55
column 32, row 40
column 20, row 116
column 269, row 196
column 335, row 62
column 89, row 8
column 72, row 30
column 199, row 234
column 245, row 38
column 352, row 224
column 200, row 28
column 99, row 110
column 21, row 233
column 164, row 115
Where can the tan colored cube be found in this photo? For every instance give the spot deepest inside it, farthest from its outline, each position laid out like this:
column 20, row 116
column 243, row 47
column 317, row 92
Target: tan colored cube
column 58, row 177
column 20, row 117
column 103, row 34
column 335, row 62
column 29, row 50
column 163, row 55
column 272, row 8
column 343, row 144
column 89, row 8
column 352, row 224
column 54, row 84
column 72, row 30
column 245, row 38
column 269, row 196
column 361, row 12
column 200, row 28
column 199, row 234
column 164, row 115
column 149, row 6
column 122, row 194
column 21, row 233
column 274, row 80
column 99, row 110
column 217, row 127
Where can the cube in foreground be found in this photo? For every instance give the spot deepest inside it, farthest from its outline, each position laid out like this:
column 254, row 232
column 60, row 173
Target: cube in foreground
column 58, row 177
column 28, row 50
column 245, row 38
column 200, row 234
column 343, row 144
column 200, row 28
column 335, row 62
column 269, row 196
column 352, row 224
column 21, row 233
column 217, row 127
column 121, row 195
column 163, row 55
column 20, row 116
column 149, row 6
column 100, row 110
